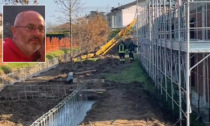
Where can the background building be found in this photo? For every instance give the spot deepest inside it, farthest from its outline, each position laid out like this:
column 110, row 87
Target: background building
column 121, row 16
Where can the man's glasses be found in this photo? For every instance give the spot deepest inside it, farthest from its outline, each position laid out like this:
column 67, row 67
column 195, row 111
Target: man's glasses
column 33, row 28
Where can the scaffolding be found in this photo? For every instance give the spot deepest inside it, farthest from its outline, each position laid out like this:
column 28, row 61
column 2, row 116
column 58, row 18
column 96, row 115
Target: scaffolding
column 174, row 39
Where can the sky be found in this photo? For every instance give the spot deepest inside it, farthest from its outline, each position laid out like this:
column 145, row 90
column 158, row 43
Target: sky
column 87, row 6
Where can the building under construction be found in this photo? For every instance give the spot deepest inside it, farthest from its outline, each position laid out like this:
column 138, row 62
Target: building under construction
column 174, row 39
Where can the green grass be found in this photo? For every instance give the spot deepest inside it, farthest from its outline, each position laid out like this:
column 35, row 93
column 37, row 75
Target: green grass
column 12, row 66
column 92, row 59
column 132, row 73
column 135, row 73
column 56, row 54
column 60, row 53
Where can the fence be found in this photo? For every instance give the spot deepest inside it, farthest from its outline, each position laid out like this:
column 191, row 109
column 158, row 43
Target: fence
column 33, row 91
column 52, row 45
column 56, row 44
column 68, row 112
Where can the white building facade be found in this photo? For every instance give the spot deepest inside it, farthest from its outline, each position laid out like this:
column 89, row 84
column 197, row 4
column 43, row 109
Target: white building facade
column 121, row 16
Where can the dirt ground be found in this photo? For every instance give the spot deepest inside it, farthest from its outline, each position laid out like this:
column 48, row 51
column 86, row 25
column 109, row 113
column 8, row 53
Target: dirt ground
column 120, row 105
column 126, row 105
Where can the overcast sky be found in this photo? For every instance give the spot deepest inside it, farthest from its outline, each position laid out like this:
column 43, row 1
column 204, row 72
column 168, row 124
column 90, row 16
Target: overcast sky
column 87, row 6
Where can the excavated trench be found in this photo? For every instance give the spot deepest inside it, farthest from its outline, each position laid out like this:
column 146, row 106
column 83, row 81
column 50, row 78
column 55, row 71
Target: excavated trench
column 48, row 100
column 69, row 112
column 37, row 95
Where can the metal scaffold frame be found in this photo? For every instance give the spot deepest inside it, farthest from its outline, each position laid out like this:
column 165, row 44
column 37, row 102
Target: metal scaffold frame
column 174, row 39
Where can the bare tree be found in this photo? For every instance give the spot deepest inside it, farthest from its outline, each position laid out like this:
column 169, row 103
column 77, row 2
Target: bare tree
column 52, row 28
column 91, row 32
column 88, row 32
column 82, row 34
column 68, row 9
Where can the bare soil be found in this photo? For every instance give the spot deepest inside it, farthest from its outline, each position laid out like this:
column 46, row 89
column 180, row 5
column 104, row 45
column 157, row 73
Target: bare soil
column 121, row 104
column 126, row 105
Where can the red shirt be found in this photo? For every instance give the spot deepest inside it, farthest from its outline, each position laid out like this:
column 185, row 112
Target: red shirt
column 11, row 53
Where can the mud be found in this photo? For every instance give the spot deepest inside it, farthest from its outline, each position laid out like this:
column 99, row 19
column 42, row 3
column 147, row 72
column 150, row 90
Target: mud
column 120, row 105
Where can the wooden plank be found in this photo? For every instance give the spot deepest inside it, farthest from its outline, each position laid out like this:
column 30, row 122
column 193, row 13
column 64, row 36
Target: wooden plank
column 90, row 90
column 75, row 80
column 84, row 72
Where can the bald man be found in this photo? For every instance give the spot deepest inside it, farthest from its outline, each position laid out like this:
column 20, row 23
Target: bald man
column 27, row 43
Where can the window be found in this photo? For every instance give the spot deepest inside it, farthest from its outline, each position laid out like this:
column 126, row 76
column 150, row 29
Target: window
column 119, row 19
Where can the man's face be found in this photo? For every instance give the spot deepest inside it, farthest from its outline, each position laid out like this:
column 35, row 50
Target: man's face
column 29, row 34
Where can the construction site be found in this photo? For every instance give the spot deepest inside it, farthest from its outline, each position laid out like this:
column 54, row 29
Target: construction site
column 166, row 85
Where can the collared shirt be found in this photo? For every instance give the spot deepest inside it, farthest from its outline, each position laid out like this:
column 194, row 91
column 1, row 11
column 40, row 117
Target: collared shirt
column 11, row 53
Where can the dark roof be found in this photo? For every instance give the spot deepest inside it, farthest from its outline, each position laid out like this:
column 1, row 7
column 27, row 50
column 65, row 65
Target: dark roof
column 124, row 6
column 95, row 13
column 110, row 13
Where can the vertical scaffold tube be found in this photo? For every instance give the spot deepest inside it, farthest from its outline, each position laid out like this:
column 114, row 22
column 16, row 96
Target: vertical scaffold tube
column 179, row 64
column 188, row 65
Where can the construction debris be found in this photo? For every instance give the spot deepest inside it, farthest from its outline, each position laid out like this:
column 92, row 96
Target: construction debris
column 85, row 72
column 69, row 78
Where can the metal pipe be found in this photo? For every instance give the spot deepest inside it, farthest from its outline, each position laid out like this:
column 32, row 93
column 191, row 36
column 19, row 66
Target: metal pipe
column 71, row 39
column 204, row 81
column 179, row 64
column 137, row 25
column 165, row 51
column 203, row 22
column 188, row 106
column 199, row 62
column 171, row 52
column 150, row 38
